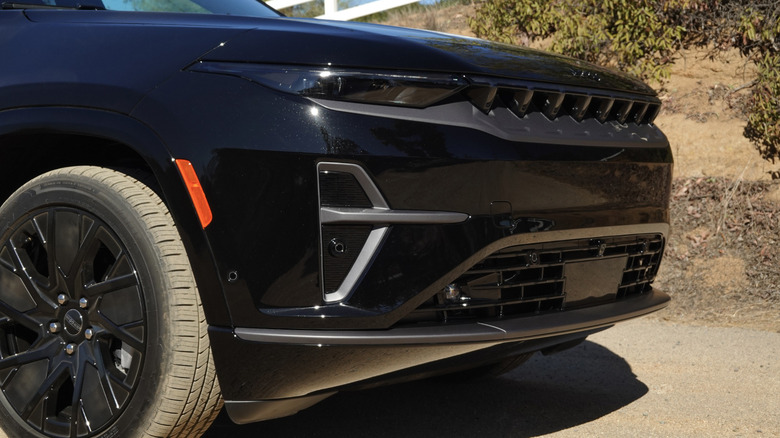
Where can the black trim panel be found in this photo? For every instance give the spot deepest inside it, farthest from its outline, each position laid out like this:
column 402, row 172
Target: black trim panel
column 502, row 123
column 494, row 331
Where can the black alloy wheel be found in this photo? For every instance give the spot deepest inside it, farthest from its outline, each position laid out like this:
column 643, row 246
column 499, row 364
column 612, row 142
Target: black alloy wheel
column 74, row 324
column 91, row 269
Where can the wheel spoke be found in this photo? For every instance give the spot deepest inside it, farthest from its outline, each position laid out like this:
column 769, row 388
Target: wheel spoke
column 43, row 224
column 52, row 383
column 40, row 352
column 107, row 384
column 114, row 384
column 111, row 285
column 64, row 238
column 89, row 245
column 23, row 319
column 120, row 381
column 122, row 266
column 15, row 290
column 92, row 397
column 28, row 244
column 121, row 332
column 35, row 282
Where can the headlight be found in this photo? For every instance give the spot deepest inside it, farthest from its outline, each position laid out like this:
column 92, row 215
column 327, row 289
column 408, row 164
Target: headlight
column 364, row 86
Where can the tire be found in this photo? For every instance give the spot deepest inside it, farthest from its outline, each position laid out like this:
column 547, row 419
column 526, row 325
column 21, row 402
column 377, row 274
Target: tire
column 102, row 332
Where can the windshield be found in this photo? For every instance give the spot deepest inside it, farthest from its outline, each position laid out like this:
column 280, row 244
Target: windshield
column 251, row 8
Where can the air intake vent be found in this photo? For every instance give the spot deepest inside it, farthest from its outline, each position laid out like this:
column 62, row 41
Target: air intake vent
column 340, row 189
column 354, row 219
column 342, row 244
column 532, row 279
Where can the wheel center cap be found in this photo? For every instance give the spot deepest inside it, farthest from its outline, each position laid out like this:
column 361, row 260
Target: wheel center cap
column 73, row 322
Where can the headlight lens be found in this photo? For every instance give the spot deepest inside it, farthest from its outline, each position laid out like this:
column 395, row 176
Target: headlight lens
column 364, row 86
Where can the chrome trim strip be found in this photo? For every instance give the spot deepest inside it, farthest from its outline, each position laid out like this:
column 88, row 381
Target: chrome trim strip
column 517, row 329
column 375, row 238
column 362, row 261
column 335, row 215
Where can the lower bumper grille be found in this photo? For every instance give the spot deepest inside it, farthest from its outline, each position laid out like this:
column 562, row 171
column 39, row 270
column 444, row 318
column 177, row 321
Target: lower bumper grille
column 532, row 279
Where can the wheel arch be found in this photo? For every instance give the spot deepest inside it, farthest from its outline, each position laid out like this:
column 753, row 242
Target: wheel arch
column 36, row 140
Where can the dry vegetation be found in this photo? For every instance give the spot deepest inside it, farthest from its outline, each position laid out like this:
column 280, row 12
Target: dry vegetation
column 722, row 259
column 722, row 264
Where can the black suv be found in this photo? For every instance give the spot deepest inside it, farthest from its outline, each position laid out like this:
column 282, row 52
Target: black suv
column 204, row 200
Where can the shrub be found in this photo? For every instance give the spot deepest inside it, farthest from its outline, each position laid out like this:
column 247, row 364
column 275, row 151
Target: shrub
column 643, row 36
column 763, row 127
column 632, row 35
column 759, row 32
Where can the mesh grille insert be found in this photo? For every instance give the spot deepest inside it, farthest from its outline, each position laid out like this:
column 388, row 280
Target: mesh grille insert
column 341, row 189
column 531, row 279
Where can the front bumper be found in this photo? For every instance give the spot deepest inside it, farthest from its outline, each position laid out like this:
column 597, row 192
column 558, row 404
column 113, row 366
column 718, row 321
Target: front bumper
column 518, row 329
column 268, row 373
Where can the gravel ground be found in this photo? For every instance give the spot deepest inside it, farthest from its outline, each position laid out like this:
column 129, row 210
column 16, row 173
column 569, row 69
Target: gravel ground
column 644, row 378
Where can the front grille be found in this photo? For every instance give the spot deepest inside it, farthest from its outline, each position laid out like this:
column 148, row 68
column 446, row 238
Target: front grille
column 527, row 98
column 532, row 279
column 581, row 106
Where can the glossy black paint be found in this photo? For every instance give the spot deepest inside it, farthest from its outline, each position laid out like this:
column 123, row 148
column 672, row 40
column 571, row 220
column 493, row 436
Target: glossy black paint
column 70, row 65
column 117, row 89
column 571, row 186
column 383, row 47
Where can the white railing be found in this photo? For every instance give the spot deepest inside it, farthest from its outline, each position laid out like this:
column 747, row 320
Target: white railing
column 332, row 11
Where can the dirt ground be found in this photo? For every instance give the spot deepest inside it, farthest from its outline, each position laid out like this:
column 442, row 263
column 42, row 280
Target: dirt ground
column 642, row 378
column 722, row 263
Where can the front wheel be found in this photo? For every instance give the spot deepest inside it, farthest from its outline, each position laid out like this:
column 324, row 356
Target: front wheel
column 102, row 331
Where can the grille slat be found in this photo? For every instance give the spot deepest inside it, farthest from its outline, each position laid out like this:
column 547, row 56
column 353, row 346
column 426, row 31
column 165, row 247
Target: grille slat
column 623, row 110
column 478, row 305
column 578, row 106
column 520, row 101
column 635, row 283
column 604, row 109
column 551, row 104
column 529, row 279
column 637, row 269
column 507, row 286
column 490, row 271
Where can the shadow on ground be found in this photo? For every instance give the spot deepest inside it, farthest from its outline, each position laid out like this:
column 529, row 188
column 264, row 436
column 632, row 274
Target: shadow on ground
column 545, row 395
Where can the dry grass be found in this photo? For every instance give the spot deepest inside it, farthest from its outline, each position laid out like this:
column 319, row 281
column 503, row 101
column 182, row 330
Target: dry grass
column 722, row 261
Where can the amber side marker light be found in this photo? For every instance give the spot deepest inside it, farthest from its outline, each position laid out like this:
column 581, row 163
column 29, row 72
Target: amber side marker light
column 196, row 192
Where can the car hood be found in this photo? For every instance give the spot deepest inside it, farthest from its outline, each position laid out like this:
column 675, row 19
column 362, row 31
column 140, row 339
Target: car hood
column 180, row 39
column 361, row 45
